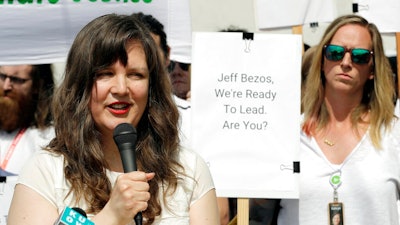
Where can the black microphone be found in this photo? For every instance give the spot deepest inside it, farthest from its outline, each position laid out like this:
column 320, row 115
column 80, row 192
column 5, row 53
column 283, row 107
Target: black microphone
column 125, row 137
column 80, row 211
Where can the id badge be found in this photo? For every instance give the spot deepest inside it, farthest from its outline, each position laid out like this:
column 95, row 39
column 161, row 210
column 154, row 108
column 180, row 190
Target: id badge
column 336, row 213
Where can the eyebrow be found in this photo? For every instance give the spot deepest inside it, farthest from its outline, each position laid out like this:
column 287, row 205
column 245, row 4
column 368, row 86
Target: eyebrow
column 139, row 69
column 14, row 75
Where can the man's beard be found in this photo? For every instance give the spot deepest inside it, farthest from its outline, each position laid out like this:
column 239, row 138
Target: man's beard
column 16, row 111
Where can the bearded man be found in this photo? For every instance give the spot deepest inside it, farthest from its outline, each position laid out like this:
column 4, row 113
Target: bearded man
column 25, row 122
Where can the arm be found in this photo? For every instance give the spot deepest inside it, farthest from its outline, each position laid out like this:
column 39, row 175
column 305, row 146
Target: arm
column 129, row 196
column 223, row 206
column 29, row 207
column 205, row 210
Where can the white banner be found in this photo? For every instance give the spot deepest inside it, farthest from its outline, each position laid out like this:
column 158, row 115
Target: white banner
column 42, row 31
column 246, row 111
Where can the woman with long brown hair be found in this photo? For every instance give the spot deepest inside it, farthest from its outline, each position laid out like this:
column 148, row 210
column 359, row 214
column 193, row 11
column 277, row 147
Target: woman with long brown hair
column 115, row 75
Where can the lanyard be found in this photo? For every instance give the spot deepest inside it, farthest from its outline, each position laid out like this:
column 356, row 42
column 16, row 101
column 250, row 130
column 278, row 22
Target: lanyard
column 335, row 181
column 11, row 149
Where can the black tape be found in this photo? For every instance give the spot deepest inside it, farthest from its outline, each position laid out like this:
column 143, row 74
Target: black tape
column 314, row 24
column 355, row 7
column 248, row 36
column 296, row 167
column 3, row 179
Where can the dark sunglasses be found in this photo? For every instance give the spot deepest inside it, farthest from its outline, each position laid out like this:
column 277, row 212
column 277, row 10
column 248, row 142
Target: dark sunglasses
column 358, row 55
column 13, row 80
column 183, row 66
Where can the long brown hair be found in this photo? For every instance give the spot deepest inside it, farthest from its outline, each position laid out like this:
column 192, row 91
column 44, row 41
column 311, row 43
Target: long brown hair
column 379, row 93
column 42, row 95
column 99, row 44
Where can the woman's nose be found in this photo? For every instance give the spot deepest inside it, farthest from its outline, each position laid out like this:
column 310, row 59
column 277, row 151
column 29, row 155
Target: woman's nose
column 346, row 58
column 120, row 84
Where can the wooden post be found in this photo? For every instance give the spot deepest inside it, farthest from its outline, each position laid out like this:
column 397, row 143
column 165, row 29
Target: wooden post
column 243, row 211
column 298, row 30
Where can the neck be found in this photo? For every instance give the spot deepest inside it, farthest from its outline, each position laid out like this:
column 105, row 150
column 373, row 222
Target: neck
column 340, row 103
column 111, row 154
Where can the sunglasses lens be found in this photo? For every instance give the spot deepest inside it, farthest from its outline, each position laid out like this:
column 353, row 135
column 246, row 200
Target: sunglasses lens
column 334, row 52
column 360, row 56
column 171, row 66
column 183, row 66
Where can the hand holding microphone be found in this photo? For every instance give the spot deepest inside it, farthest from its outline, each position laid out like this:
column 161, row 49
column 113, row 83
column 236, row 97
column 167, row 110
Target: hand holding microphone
column 125, row 137
column 129, row 196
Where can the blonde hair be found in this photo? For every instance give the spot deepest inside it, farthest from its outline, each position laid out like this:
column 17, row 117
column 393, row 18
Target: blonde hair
column 379, row 93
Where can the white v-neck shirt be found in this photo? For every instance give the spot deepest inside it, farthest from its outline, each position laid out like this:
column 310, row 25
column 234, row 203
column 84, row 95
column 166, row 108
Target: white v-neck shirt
column 370, row 184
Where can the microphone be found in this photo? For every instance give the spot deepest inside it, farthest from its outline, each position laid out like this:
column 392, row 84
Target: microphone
column 80, row 211
column 73, row 216
column 125, row 136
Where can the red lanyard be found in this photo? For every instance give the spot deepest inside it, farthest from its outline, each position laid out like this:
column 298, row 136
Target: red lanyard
column 11, row 149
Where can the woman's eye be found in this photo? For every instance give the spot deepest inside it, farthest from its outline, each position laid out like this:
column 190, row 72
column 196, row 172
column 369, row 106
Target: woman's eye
column 105, row 74
column 135, row 75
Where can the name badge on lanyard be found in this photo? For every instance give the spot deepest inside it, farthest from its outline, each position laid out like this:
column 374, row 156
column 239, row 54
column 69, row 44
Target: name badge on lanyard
column 335, row 208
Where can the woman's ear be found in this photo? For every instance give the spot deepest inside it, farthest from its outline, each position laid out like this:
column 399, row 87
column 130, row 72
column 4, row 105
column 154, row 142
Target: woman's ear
column 372, row 72
column 371, row 76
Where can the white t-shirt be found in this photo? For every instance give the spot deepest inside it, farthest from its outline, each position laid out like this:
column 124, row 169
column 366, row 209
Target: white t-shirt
column 31, row 141
column 44, row 174
column 370, row 185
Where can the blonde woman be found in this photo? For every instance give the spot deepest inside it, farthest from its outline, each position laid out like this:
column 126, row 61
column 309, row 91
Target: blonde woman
column 350, row 151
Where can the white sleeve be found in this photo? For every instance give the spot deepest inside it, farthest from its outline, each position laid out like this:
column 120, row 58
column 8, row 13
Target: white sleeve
column 42, row 174
column 203, row 180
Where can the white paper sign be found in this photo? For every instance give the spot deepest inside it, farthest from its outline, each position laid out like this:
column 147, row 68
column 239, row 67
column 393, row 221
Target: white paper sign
column 286, row 13
column 42, row 31
column 246, row 111
column 384, row 14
